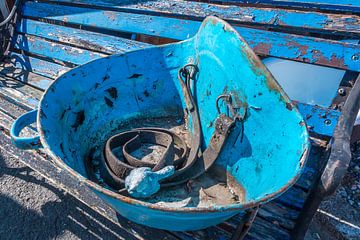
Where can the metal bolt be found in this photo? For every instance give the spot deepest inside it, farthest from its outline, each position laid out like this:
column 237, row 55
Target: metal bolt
column 327, row 122
column 342, row 92
column 355, row 57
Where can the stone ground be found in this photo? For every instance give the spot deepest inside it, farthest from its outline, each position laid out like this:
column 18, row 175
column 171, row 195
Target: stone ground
column 32, row 208
column 339, row 216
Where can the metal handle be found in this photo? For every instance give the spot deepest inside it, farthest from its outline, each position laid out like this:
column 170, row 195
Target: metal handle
column 19, row 124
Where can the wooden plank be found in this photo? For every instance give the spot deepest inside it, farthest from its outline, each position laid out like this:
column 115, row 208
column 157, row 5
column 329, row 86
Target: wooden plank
column 262, row 229
column 279, row 215
column 85, row 39
column 316, row 160
column 20, row 93
column 299, row 48
column 30, row 78
column 329, row 5
column 56, row 51
column 294, row 197
column 304, row 21
column 36, row 65
column 208, row 233
column 319, row 119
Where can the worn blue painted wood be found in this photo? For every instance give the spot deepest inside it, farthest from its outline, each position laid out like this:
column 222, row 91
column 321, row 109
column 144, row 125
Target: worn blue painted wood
column 320, row 120
column 146, row 86
column 300, row 48
column 333, row 5
column 304, row 21
column 86, row 39
column 55, row 51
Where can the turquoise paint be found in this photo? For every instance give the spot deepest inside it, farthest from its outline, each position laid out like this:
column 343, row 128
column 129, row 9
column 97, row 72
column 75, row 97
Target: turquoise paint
column 74, row 116
column 300, row 48
column 245, row 14
column 96, row 41
column 56, row 51
column 332, row 5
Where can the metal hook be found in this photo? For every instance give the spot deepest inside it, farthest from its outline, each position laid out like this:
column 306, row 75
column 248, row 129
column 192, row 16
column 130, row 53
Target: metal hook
column 227, row 98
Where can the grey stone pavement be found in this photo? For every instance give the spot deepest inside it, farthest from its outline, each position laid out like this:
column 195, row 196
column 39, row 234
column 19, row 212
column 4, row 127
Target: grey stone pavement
column 32, row 208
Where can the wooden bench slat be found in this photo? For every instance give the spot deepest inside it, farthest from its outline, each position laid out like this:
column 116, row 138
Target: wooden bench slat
column 299, row 48
column 30, row 78
column 81, row 38
column 38, row 66
column 262, row 229
column 19, row 92
column 304, row 21
column 56, row 51
column 330, row 5
column 279, row 215
column 319, row 119
column 294, row 197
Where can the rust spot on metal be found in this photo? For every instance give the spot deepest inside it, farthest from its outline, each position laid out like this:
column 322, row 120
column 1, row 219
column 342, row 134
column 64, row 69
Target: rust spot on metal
column 262, row 48
column 110, row 15
column 289, row 106
column 302, row 49
column 334, row 61
column 272, row 84
column 260, row 70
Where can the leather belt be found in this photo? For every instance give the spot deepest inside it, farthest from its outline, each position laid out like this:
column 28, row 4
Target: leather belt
column 188, row 164
column 114, row 169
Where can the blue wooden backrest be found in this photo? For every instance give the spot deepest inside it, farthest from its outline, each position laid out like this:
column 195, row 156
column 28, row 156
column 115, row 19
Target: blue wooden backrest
column 53, row 36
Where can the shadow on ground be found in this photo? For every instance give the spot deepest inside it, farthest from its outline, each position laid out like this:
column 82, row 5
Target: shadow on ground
column 23, row 217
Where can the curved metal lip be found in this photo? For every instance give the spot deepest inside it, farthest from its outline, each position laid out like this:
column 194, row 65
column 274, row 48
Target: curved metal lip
column 210, row 209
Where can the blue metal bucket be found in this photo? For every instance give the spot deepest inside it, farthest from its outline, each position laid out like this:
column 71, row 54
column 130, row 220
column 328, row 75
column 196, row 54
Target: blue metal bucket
column 86, row 105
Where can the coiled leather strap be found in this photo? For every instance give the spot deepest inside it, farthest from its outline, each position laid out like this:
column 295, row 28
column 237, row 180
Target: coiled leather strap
column 188, row 164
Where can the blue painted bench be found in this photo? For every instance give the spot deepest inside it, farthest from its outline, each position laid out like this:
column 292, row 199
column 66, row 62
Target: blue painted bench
column 46, row 38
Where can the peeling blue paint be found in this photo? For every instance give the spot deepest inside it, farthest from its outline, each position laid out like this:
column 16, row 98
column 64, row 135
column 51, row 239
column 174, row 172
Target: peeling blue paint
column 73, row 118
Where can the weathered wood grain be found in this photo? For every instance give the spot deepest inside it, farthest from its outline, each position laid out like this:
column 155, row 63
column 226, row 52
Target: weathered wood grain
column 323, row 5
column 271, row 17
column 55, row 51
column 299, row 48
column 92, row 41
